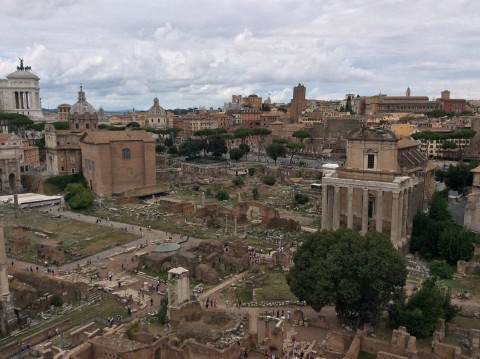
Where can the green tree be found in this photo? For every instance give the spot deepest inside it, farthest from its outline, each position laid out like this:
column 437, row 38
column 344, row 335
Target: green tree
column 168, row 141
column 301, row 135
column 459, row 177
column 269, row 180
column 275, row 150
column 61, row 125
column 133, row 124
column 237, row 181
column 348, row 105
column 172, row 150
column 236, row 154
column 242, row 133
column 455, row 243
column 216, row 146
column 159, row 148
column 294, row 148
column 447, row 145
column 223, row 195
column 190, row 148
column 422, row 312
column 359, row 274
column 440, row 269
column 301, row 198
column 78, row 196
column 245, row 148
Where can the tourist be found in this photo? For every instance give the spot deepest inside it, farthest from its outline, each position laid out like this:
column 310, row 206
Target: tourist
column 151, row 302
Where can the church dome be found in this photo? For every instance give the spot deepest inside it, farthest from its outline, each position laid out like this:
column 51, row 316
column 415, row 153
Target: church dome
column 156, row 109
column 82, row 106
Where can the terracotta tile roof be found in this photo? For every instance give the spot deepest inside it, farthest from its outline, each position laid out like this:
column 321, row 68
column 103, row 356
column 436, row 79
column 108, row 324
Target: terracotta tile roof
column 96, row 137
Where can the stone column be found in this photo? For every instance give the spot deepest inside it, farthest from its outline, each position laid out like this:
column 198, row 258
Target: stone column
column 325, row 207
column 336, row 208
column 400, row 215
column 235, row 225
column 330, row 207
column 226, row 223
column 406, row 198
column 394, row 220
column 4, row 290
column 379, row 210
column 350, row 207
column 365, row 211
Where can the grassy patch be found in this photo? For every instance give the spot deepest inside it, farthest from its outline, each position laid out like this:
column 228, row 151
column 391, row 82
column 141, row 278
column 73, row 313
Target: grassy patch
column 80, row 238
column 456, row 285
column 275, row 289
column 365, row 355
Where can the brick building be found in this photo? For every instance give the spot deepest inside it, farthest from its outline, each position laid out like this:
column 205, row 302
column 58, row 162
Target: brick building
column 116, row 161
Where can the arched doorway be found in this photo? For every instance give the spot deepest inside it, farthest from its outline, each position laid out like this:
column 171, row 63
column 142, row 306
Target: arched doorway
column 11, row 181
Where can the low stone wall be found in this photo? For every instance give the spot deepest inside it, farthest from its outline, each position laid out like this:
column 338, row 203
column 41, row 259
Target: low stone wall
column 354, row 349
column 372, row 345
column 14, row 348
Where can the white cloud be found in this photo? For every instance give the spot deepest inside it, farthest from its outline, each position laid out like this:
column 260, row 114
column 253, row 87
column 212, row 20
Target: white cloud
column 191, row 53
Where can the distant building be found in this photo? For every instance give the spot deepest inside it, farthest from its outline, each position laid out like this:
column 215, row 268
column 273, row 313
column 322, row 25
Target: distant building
column 379, row 104
column 118, row 161
column 63, row 112
column 62, row 147
column 157, row 116
column 298, row 104
column 452, row 105
column 20, row 93
column 384, row 182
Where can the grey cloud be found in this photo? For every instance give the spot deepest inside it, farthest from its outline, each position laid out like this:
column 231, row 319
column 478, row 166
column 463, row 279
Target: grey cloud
column 190, row 54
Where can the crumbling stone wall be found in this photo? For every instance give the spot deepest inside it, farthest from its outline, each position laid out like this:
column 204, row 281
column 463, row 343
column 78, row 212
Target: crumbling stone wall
column 43, row 283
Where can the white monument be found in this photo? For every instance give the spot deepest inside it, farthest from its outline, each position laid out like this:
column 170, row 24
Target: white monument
column 20, row 93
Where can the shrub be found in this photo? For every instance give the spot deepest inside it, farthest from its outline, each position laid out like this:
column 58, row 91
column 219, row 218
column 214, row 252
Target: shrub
column 162, row 312
column 63, row 180
column 78, row 197
column 441, row 269
column 269, row 180
column 237, row 181
column 255, row 193
column 172, row 150
column 132, row 329
column 223, row 195
column 56, row 301
column 208, row 192
column 301, row 198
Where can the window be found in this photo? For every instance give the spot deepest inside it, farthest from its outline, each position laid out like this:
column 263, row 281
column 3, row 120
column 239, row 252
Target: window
column 370, row 161
column 126, row 153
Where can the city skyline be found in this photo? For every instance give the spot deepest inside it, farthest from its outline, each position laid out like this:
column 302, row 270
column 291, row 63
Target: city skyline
column 191, row 56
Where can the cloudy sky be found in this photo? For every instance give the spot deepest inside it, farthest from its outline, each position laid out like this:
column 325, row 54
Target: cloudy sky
column 194, row 53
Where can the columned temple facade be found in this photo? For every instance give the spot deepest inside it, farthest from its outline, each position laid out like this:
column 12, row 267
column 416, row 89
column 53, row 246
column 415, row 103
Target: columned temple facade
column 20, row 93
column 385, row 181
